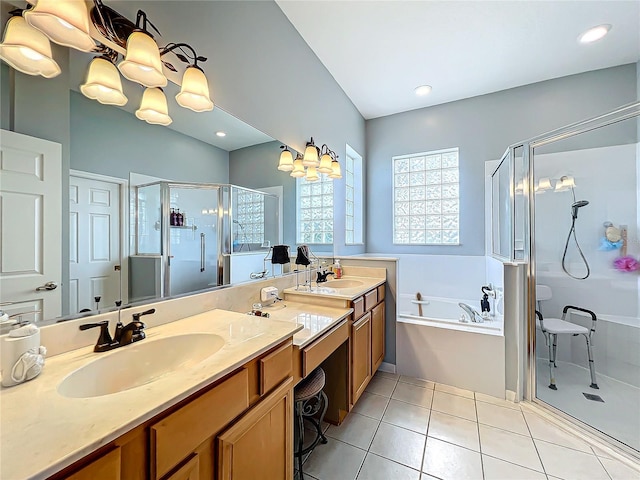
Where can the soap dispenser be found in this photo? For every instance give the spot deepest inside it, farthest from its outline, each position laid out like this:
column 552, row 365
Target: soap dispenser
column 337, row 269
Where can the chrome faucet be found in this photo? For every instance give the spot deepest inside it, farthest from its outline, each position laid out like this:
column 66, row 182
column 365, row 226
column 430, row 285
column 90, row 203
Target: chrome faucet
column 474, row 316
column 124, row 335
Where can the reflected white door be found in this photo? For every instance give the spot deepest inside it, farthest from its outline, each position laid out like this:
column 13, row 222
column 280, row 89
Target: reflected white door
column 94, row 243
column 30, row 212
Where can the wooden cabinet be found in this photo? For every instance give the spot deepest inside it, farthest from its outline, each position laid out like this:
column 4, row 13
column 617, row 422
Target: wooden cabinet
column 259, row 446
column 377, row 335
column 107, row 467
column 360, row 356
column 189, row 471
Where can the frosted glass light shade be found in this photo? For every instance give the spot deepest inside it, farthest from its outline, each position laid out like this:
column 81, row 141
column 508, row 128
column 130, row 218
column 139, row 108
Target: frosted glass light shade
column 325, row 163
column 153, row 108
column 103, row 83
column 194, row 93
column 142, row 63
column 565, row 183
column 27, row 49
column 298, row 168
column 65, row 22
column 310, row 158
column 336, row 172
column 312, row 174
column 544, row 184
column 286, row 161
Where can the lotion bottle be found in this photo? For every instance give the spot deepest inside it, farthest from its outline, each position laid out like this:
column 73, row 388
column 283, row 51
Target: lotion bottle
column 337, row 269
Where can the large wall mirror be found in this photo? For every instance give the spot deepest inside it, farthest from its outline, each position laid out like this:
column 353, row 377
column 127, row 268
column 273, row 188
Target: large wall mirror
column 123, row 179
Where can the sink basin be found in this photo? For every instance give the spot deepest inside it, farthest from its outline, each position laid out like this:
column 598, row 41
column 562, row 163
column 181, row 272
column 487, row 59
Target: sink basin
column 138, row 364
column 343, row 283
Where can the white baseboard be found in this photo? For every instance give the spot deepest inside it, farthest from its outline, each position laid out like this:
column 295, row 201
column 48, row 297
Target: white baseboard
column 387, row 367
column 510, row 395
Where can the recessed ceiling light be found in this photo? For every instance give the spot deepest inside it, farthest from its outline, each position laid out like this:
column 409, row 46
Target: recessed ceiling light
column 423, row 90
column 594, row 34
column 221, row 134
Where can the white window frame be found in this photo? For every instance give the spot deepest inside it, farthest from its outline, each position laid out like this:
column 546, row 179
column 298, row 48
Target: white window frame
column 426, row 195
column 327, row 203
column 354, row 216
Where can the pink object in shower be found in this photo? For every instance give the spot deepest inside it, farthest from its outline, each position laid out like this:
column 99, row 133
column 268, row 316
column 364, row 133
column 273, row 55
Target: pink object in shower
column 626, row 264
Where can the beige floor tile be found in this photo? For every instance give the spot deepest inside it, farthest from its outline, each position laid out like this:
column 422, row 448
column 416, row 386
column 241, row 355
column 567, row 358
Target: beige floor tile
column 502, row 417
column 413, row 394
column 454, row 430
column 356, row 430
column 398, row 444
column 441, row 387
column 619, row 471
column 381, row 386
column 495, row 469
column 424, row 476
column 387, row 375
column 570, row 464
column 447, row 461
column 411, row 417
column 379, row 468
column 599, row 452
column 544, row 430
column 334, row 461
column 481, row 397
column 454, row 405
column 417, row 381
column 509, row 446
column 371, row 405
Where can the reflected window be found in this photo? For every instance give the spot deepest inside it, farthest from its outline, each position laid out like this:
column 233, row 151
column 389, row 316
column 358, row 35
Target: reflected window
column 426, row 198
column 249, row 219
column 354, row 208
column 315, row 210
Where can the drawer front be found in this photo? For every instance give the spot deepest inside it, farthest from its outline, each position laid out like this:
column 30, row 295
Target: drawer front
column 176, row 436
column 317, row 352
column 358, row 308
column 275, row 367
column 381, row 290
column 370, row 299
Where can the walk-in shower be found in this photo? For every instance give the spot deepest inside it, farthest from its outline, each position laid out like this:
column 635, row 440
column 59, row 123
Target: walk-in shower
column 584, row 177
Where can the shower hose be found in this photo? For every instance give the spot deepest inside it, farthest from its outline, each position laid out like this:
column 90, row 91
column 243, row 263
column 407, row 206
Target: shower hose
column 572, row 231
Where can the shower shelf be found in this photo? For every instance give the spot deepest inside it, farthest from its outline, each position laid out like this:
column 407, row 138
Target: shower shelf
column 183, row 227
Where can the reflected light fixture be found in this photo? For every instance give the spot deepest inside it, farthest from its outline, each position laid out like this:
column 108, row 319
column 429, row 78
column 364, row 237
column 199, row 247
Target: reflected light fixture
column 298, row 168
column 153, row 108
column 594, row 34
column 310, row 158
column 65, row 22
column 543, row 185
column 565, row 183
column 221, row 134
column 336, row 172
column 423, row 90
column 194, row 93
column 325, row 160
column 27, row 49
column 103, row 83
column 312, row 174
column 286, row 160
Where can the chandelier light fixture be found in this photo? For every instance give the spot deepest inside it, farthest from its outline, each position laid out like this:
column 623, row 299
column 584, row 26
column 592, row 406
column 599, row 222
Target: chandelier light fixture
column 298, row 168
column 311, row 164
column 310, row 158
column 286, row 160
column 25, row 46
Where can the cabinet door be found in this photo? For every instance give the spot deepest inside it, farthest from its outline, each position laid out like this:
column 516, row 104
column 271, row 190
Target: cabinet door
column 360, row 356
column 260, row 445
column 377, row 336
column 106, row 467
column 189, row 471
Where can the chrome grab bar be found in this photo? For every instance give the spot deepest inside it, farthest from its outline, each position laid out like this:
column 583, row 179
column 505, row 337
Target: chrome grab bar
column 202, row 252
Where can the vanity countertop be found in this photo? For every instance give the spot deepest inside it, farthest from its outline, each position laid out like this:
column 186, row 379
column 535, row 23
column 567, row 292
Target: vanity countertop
column 43, row 431
column 326, row 289
column 315, row 319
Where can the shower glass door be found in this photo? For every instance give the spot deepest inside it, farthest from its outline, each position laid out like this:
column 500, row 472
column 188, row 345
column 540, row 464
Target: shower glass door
column 585, row 272
column 191, row 241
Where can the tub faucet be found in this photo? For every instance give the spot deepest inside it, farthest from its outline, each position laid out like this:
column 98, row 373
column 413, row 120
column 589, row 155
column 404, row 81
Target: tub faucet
column 474, row 316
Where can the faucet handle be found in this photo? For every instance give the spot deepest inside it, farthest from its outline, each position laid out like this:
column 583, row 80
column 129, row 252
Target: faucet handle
column 136, row 316
column 104, row 339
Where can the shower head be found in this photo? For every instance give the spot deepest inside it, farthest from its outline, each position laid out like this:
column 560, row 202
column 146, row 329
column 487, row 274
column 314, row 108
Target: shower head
column 576, row 206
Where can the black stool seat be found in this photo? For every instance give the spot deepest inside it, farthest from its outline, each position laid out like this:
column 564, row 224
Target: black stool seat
column 310, row 405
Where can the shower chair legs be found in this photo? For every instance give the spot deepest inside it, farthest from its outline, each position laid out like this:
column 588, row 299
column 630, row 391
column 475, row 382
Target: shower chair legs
column 552, row 342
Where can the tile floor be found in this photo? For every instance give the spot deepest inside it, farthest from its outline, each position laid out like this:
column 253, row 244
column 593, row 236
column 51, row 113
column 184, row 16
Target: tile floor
column 405, row 428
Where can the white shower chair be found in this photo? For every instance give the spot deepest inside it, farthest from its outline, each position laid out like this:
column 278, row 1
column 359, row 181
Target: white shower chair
column 552, row 327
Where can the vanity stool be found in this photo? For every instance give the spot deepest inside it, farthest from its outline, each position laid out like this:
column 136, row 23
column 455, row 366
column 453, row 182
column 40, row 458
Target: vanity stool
column 310, row 405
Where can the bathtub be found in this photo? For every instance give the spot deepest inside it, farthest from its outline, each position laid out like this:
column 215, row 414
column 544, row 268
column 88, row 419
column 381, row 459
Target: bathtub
column 444, row 313
column 437, row 346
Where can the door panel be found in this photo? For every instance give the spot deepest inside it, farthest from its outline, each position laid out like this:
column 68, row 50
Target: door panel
column 30, row 211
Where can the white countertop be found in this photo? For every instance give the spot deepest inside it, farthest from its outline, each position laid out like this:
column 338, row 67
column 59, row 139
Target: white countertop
column 326, row 290
column 316, row 319
column 43, row 431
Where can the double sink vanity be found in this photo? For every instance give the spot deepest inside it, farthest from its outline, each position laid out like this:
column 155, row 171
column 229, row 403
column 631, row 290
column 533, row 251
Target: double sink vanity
column 207, row 396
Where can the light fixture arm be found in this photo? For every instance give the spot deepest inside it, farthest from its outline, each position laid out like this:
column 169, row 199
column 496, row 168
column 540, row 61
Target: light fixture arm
column 141, row 16
column 192, row 61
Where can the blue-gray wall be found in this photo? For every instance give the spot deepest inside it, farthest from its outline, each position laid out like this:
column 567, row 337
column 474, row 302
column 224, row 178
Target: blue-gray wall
column 111, row 141
column 482, row 127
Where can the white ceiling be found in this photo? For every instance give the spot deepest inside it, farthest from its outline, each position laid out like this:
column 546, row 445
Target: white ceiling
column 379, row 51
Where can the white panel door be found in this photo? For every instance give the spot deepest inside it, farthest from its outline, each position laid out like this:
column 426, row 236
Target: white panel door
column 94, row 243
column 30, row 212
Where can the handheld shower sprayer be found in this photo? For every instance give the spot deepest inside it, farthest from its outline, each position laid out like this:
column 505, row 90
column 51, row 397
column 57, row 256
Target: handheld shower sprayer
column 576, row 206
column 572, row 231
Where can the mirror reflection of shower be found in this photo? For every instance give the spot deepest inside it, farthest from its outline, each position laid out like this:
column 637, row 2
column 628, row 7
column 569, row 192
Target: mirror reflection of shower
column 238, row 245
column 572, row 231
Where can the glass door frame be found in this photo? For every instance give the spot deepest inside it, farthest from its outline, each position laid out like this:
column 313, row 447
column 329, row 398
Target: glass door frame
column 620, row 114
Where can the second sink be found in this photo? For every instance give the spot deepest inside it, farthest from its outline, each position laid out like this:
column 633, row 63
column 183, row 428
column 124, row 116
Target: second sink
column 343, row 283
column 139, row 364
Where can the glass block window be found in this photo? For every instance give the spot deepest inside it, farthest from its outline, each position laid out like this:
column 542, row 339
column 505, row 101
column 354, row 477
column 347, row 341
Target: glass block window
column 426, row 198
column 250, row 217
column 354, row 208
column 315, row 210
